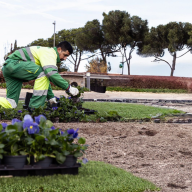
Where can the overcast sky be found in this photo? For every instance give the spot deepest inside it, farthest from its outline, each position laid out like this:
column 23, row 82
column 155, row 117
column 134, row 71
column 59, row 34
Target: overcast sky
column 26, row 21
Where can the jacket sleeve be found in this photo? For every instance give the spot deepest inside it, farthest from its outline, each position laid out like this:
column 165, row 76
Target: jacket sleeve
column 48, row 60
column 50, row 94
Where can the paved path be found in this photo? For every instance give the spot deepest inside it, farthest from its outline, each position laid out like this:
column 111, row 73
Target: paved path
column 116, row 95
column 125, row 95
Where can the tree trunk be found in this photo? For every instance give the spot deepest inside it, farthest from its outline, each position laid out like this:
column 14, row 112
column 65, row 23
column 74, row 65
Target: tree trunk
column 173, row 64
column 128, row 66
column 104, row 58
column 128, row 60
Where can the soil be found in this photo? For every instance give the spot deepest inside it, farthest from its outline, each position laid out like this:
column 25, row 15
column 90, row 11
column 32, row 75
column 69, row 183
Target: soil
column 158, row 152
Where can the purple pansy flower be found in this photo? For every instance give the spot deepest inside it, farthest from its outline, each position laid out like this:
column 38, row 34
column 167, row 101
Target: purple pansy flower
column 4, row 125
column 69, row 97
column 70, row 131
column 27, row 117
column 46, row 139
column 52, row 128
column 75, row 134
column 61, row 132
column 54, row 108
column 19, row 111
column 15, row 120
column 57, row 98
column 38, row 118
column 28, row 123
column 85, row 160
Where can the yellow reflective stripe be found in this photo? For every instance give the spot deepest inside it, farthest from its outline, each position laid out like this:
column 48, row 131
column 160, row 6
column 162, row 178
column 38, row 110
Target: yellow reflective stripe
column 41, row 83
column 5, row 103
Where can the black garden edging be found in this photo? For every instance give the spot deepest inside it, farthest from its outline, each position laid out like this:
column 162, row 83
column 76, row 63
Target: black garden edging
column 153, row 101
column 34, row 170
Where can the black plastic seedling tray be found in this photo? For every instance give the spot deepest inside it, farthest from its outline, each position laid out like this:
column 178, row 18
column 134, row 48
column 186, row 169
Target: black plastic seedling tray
column 34, row 170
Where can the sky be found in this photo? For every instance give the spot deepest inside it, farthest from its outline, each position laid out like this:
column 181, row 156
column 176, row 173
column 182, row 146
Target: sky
column 26, row 21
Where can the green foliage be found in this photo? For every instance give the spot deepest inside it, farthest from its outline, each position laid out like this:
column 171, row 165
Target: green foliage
column 129, row 89
column 39, row 140
column 173, row 36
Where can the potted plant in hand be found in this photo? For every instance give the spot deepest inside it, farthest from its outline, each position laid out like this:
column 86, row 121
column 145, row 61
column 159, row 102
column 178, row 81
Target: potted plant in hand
column 76, row 99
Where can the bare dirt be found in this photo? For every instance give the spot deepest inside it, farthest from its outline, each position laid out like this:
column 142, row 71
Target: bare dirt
column 158, row 152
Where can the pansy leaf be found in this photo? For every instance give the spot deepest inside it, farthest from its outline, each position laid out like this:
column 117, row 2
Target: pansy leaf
column 23, row 153
column 78, row 154
column 1, row 150
column 50, row 155
column 12, row 127
column 54, row 132
column 1, row 127
column 41, row 157
column 1, row 156
column 39, row 138
column 74, row 146
column 81, row 140
column 19, row 126
column 10, row 131
column 66, row 153
column 14, row 148
column 43, row 122
column 1, row 146
column 53, row 142
column 29, row 140
column 49, row 124
column 60, row 158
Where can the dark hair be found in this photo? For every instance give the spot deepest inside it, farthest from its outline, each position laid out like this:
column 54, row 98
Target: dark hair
column 65, row 46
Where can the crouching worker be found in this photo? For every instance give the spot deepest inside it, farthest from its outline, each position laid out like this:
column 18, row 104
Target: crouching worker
column 39, row 64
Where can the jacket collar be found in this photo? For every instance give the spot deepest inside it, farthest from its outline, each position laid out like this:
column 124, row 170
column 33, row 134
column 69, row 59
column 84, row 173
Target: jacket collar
column 58, row 59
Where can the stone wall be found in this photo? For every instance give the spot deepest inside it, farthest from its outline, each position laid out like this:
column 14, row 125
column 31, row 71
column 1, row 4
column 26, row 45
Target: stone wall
column 80, row 80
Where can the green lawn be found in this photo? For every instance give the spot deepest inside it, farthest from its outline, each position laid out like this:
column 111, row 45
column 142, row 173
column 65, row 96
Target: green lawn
column 129, row 111
column 125, row 110
column 92, row 177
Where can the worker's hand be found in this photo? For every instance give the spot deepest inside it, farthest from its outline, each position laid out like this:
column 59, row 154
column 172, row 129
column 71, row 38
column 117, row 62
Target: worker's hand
column 52, row 100
column 74, row 91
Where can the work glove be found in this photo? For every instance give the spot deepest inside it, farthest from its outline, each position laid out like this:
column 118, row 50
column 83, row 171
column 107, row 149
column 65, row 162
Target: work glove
column 72, row 90
column 52, row 100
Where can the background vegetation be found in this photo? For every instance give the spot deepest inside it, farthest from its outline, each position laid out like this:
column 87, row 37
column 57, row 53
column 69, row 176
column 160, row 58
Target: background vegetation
column 122, row 33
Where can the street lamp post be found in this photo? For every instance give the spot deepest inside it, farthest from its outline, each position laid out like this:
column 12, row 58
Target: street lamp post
column 54, row 23
column 88, row 80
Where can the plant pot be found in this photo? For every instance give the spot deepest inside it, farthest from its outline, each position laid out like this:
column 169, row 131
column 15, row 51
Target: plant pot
column 16, row 161
column 45, row 162
column 70, row 161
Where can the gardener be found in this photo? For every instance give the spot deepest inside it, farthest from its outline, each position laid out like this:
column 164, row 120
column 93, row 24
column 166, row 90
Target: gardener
column 37, row 63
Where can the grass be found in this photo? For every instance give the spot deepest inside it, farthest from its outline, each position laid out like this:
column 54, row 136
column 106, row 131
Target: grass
column 92, row 177
column 128, row 89
column 125, row 110
column 129, row 111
